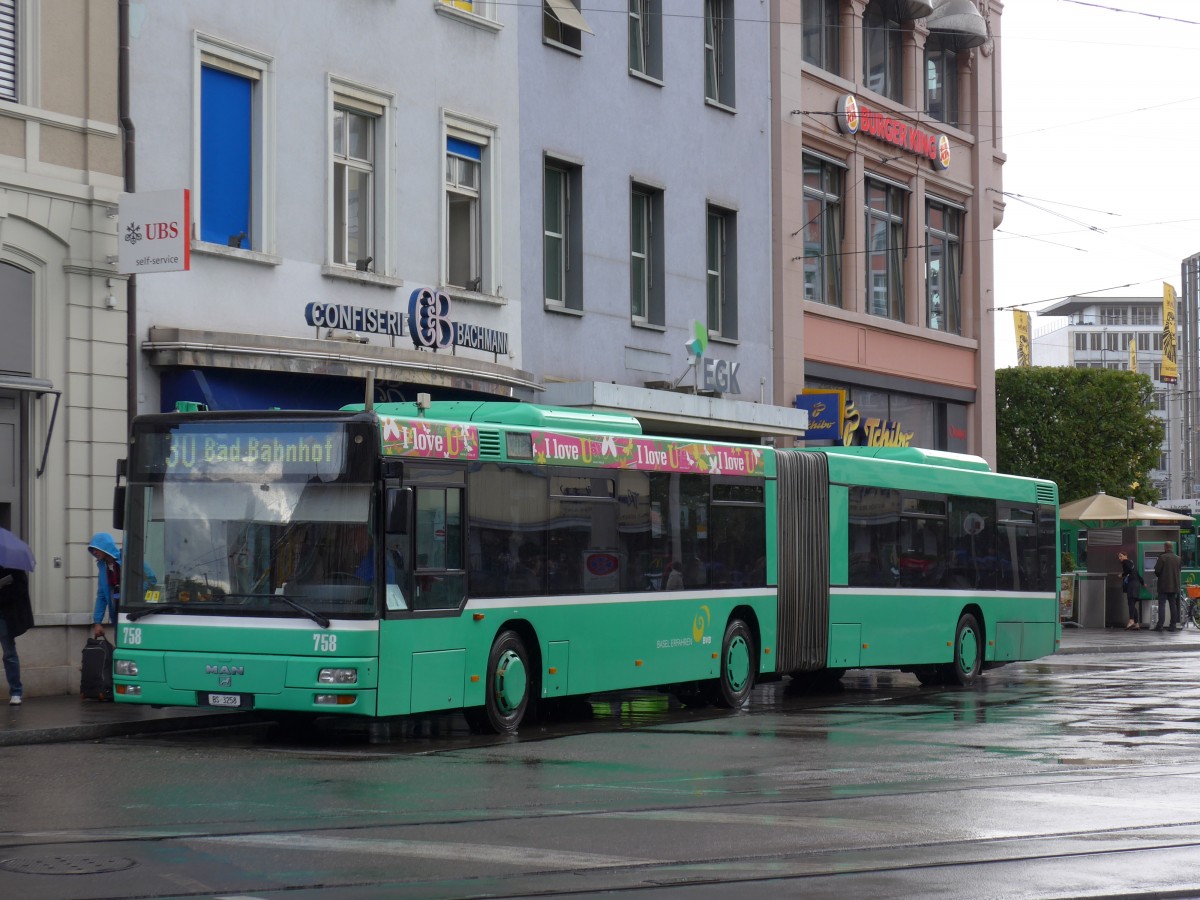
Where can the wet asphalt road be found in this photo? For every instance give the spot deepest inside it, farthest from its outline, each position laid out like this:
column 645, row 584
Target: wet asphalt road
column 1076, row 776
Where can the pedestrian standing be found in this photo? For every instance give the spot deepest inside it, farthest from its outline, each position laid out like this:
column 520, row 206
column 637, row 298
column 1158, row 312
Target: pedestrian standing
column 16, row 617
column 1132, row 583
column 1167, row 570
column 108, row 580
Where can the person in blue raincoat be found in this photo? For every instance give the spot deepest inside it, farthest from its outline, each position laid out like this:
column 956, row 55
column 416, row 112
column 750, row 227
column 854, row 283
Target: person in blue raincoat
column 108, row 580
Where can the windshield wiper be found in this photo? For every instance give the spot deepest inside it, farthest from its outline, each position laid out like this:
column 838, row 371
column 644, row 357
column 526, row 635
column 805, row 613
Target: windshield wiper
column 299, row 607
column 151, row 610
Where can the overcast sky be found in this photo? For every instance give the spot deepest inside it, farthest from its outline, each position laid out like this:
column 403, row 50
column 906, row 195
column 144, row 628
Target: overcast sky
column 1101, row 118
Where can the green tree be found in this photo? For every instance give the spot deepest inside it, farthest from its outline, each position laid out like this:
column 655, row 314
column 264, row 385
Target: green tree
column 1087, row 429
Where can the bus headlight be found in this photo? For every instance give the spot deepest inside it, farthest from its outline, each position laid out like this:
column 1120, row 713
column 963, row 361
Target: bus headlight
column 338, row 676
column 125, row 667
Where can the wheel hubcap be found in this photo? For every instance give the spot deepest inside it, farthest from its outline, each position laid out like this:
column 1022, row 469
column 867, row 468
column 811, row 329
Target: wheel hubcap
column 968, row 650
column 737, row 663
column 511, row 681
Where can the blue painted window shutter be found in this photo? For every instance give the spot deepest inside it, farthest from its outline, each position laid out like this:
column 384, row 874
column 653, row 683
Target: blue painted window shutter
column 225, row 156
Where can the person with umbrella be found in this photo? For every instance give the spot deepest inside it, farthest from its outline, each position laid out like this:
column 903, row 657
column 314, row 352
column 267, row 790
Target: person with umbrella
column 16, row 612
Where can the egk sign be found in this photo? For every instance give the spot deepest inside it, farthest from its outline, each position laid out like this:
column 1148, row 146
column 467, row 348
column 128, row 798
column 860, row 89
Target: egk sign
column 854, row 117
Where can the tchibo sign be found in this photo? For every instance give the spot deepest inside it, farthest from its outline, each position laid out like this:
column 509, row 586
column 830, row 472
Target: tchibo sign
column 152, row 232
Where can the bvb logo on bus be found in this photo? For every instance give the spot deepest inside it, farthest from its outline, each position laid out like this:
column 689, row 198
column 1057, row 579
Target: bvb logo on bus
column 700, row 624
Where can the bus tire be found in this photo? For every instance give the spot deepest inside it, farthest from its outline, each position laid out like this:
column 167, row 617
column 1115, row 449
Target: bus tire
column 968, row 652
column 508, row 686
column 929, row 676
column 738, row 665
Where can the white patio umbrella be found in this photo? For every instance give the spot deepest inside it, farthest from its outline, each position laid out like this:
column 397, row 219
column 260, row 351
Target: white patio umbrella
column 1102, row 507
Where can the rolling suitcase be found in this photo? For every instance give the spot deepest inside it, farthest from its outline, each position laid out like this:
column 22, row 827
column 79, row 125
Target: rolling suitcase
column 95, row 670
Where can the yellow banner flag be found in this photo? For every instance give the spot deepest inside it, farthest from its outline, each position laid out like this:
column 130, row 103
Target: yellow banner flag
column 1170, row 362
column 1024, row 348
column 1133, row 355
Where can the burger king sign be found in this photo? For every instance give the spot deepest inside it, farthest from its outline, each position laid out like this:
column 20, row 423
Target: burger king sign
column 854, row 117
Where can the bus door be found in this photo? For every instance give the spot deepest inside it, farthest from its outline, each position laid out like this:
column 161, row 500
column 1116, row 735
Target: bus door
column 422, row 650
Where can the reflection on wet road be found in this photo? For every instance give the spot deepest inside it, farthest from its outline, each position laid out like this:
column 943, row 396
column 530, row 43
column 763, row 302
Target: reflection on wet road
column 1073, row 776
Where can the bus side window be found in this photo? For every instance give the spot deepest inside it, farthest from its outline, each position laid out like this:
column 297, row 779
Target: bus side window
column 440, row 581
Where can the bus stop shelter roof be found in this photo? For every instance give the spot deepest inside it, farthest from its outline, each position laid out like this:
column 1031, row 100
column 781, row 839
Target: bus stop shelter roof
column 1102, row 507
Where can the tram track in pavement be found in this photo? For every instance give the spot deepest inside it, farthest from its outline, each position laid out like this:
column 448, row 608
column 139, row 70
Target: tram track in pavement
column 521, row 869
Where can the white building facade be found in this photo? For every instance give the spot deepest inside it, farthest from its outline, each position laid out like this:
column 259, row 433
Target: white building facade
column 339, row 157
column 1119, row 333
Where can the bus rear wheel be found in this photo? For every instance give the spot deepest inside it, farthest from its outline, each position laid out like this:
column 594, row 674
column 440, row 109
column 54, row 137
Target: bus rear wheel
column 968, row 652
column 508, row 684
column 738, row 665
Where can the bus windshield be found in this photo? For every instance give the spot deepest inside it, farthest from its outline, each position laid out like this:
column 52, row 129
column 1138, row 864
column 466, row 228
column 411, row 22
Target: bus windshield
column 242, row 518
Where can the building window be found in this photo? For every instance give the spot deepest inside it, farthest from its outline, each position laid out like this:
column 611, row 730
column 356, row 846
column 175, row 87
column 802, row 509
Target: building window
column 1146, row 315
column 718, row 52
column 9, row 50
column 821, row 38
column 645, row 256
column 482, row 8
column 235, row 156
column 943, row 266
column 882, row 50
column 941, row 82
column 885, row 245
column 469, row 257
column 822, row 231
column 1114, row 315
column 358, row 157
column 722, row 272
column 645, row 37
column 562, row 235
column 563, row 24
column 464, row 229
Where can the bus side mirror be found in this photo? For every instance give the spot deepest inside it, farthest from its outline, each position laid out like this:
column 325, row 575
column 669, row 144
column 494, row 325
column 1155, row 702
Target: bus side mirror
column 399, row 509
column 119, row 497
column 119, row 507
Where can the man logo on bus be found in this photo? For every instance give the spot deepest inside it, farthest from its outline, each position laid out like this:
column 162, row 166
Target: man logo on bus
column 699, row 624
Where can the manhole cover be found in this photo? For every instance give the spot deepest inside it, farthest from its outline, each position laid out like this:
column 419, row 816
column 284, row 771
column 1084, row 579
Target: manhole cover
column 66, row 865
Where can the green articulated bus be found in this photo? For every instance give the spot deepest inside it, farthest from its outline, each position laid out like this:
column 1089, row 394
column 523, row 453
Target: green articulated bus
column 496, row 556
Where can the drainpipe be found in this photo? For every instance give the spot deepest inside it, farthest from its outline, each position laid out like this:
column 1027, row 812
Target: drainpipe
column 127, row 129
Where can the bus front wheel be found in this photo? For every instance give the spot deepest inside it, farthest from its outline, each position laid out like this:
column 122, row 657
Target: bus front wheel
column 738, row 665
column 968, row 652
column 508, row 682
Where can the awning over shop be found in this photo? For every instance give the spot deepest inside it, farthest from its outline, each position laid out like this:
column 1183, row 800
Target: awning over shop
column 673, row 412
column 958, row 23
column 178, row 347
column 37, row 387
